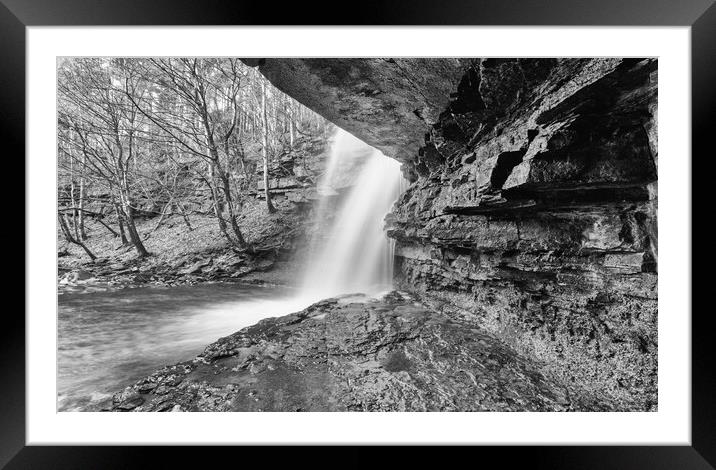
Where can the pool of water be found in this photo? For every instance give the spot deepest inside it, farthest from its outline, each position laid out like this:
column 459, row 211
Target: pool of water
column 108, row 340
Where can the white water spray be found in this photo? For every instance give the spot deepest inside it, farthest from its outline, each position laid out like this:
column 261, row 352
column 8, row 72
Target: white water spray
column 352, row 253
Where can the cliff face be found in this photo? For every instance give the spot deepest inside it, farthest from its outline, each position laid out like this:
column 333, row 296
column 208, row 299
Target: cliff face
column 532, row 207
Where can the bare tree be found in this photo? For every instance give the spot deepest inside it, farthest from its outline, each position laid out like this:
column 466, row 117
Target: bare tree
column 265, row 149
column 153, row 137
column 196, row 106
column 104, row 128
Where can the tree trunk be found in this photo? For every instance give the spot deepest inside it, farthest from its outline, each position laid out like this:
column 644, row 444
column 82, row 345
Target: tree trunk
column 218, row 206
column 81, row 205
column 120, row 223
column 291, row 125
column 162, row 216
column 128, row 215
column 264, row 152
column 217, row 172
column 68, row 235
column 230, row 208
column 111, row 230
column 74, row 224
column 97, row 217
column 181, row 210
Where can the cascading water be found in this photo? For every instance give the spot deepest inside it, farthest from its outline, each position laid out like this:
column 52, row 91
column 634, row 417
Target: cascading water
column 351, row 252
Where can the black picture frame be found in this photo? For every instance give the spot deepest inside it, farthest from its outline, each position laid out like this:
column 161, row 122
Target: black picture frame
column 16, row 15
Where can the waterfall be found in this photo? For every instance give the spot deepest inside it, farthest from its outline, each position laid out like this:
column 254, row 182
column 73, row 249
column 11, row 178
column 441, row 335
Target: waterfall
column 350, row 251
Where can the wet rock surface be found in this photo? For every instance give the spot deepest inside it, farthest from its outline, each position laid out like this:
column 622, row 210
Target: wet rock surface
column 356, row 354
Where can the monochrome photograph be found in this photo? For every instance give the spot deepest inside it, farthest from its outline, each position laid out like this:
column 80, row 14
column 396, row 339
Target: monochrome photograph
column 393, row 234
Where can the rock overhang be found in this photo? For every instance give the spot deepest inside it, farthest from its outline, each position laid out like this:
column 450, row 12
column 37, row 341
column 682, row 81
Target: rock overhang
column 533, row 202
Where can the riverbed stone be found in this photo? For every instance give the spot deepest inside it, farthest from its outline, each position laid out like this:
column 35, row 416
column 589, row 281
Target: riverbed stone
column 389, row 354
column 130, row 403
column 197, row 266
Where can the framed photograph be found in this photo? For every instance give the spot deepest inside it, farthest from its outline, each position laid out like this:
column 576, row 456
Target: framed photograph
column 412, row 225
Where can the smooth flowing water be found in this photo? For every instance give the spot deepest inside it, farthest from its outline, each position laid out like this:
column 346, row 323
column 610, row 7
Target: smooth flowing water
column 352, row 252
column 108, row 340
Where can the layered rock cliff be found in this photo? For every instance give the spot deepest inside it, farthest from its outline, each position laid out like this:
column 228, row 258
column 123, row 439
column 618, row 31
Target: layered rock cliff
column 533, row 204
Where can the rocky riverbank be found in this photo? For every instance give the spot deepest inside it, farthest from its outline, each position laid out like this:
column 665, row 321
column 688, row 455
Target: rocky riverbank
column 223, row 266
column 357, row 354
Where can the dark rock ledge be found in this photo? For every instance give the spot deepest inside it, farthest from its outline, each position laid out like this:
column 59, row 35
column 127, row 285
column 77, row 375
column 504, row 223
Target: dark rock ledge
column 355, row 354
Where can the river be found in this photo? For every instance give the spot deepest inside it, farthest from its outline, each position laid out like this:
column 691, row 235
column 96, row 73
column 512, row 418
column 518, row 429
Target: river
column 107, row 340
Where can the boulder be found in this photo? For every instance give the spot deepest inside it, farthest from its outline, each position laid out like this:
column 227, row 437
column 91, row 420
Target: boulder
column 197, row 266
column 73, row 277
